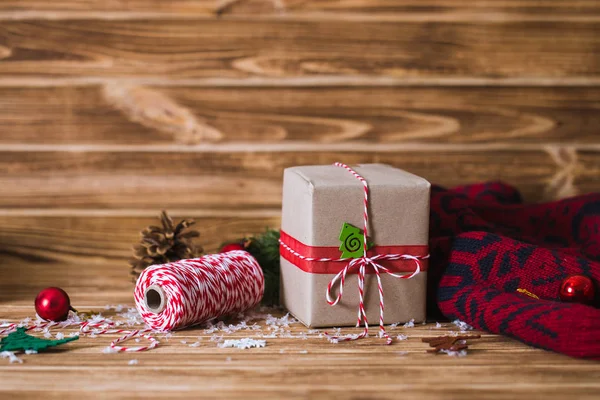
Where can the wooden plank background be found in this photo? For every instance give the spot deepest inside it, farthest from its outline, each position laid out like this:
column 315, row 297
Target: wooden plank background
column 113, row 110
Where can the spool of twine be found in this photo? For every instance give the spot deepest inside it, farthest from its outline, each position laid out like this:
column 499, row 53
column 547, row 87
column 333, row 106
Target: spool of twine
column 189, row 292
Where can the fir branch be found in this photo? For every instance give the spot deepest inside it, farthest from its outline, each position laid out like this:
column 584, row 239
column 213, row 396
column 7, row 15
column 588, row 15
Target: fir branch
column 265, row 248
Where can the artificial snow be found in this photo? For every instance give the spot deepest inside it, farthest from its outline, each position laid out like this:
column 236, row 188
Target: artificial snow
column 133, row 362
column 216, row 338
column 463, row 326
column 303, row 352
column 284, row 321
column 409, row 324
column 11, row 357
column 244, row 343
column 60, row 335
column 109, row 350
column 401, row 337
column 339, row 337
column 222, row 327
column 195, row 344
column 453, row 353
column 131, row 316
column 269, row 336
column 31, row 352
column 97, row 319
column 438, row 325
column 72, row 319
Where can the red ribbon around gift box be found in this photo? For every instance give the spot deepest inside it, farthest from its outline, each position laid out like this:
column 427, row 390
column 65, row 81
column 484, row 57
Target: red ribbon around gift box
column 337, row 264
column 316, row 260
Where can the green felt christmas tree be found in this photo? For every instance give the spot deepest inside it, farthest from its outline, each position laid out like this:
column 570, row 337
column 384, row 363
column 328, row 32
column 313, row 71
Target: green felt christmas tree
column 21, row 341
column 352, row 241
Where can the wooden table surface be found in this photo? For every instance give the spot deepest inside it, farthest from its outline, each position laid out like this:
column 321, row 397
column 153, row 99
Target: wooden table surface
column 113, row 110
column 495, row 366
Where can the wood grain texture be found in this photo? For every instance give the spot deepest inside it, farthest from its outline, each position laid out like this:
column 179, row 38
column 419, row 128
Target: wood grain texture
column 113, row 110
column 331, row 8
column 287, row 367
column 89, row 254
column 86, row 257
column 122, row 116
column 246, row 48
column 296, row 368
column 229, row 181
column 100, row 239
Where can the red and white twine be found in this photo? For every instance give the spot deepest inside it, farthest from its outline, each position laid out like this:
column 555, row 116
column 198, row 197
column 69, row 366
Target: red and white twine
column 98, row 327
column 362, row 263
column 196, row 291
column 201, row 289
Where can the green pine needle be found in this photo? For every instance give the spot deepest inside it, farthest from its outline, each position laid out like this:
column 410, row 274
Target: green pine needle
column 265, row 248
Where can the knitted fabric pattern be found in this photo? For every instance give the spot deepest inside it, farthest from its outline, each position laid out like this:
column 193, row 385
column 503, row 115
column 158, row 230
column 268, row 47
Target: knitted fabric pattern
column 485, row 244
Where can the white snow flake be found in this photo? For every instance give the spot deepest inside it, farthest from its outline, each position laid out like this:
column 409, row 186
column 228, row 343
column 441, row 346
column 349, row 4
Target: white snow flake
column 463, row 326
column 409, row 324
column 109, row 350
column 11, row 357
column 452, row 353
column 244, row 343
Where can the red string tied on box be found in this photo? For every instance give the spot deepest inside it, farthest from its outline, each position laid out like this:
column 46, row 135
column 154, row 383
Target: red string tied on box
column 360, row 264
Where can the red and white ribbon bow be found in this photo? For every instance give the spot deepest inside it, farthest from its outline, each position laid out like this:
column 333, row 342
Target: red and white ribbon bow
column 362, row 263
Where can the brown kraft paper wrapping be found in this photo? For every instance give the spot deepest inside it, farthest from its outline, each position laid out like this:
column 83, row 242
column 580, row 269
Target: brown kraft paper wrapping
column 317, row 200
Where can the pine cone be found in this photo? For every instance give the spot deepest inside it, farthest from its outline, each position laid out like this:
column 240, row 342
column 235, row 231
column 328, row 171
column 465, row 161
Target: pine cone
column 160, row 245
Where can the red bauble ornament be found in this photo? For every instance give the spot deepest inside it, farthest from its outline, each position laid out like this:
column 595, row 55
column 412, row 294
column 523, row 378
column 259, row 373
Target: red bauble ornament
column 578, row 289
column 53, row 304
column 232, row 247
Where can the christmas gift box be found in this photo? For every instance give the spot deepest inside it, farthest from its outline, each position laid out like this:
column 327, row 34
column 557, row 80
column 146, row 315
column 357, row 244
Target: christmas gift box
column 323, row 244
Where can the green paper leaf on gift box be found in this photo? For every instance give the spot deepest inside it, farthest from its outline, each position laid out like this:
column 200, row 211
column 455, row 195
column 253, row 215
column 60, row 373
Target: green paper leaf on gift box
column 352, row 241
column 21, row 341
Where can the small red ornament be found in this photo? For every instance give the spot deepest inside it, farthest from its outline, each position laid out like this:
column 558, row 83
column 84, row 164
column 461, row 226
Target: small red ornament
column 53, row 304
column 577, row 289
column 232, row 247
